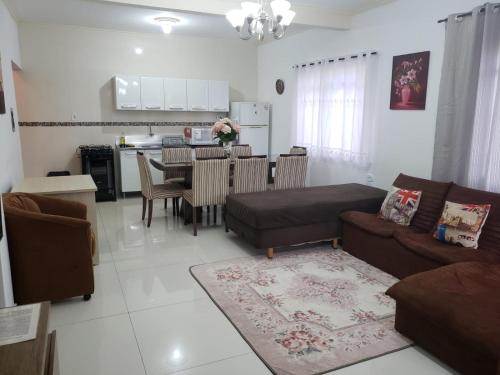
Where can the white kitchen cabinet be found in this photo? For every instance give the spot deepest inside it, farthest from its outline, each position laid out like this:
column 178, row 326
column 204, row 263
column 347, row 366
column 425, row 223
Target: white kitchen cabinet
column 128, row 93
column 197, row 95
column 152, row 94
column 156, row 174
column 129, row 169
column 218, row 94
column 175, row 94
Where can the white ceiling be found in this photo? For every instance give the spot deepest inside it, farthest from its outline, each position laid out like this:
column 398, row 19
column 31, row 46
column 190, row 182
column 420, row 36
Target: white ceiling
column 98, row 14
column 351, row 7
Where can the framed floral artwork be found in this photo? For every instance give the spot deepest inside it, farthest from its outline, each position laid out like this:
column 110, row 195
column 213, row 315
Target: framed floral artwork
column 410, row 74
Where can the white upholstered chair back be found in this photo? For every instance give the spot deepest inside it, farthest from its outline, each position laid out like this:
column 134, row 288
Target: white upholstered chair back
column 209, row 152
column 210, row 182
column 145, row 175
column 250, row 175
column 291, row 172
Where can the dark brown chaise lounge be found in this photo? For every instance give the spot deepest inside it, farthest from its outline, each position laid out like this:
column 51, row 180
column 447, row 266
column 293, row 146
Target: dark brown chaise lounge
column 454, row 313
column 291, row 217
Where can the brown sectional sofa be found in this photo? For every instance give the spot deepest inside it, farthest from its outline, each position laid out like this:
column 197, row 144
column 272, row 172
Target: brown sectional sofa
column 404, row 251
column 449, row 302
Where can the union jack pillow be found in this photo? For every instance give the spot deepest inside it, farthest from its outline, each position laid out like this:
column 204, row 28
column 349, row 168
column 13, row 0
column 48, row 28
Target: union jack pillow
column 400, row 205
column 461, row 224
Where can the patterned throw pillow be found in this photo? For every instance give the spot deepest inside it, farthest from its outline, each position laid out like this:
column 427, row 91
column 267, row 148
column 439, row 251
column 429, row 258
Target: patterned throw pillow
column 461, row 224
column 400, row 205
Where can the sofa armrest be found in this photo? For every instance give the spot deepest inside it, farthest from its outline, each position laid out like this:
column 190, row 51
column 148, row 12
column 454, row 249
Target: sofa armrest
column 61, row 207
column 37, row 232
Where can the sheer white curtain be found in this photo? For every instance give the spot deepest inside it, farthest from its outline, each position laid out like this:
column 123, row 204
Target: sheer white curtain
column 334, row 117
column 484, row 164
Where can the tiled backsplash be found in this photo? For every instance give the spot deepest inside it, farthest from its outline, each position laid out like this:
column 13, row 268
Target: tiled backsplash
column 180, row 124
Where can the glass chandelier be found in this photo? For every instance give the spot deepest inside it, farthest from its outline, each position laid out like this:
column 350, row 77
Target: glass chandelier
column 255, row 18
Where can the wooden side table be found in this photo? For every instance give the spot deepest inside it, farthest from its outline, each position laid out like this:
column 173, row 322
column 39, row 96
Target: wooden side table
column 34, row 357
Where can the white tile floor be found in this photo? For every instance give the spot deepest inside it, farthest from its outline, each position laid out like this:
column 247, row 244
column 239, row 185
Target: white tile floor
column 149, row 316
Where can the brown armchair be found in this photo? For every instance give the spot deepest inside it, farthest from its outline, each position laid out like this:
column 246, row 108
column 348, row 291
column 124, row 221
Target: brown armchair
column 50, row 248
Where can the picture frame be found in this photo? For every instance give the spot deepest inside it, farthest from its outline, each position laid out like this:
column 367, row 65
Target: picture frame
column 410, row 75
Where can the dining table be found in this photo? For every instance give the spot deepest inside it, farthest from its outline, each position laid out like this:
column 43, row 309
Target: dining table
column 186, row 168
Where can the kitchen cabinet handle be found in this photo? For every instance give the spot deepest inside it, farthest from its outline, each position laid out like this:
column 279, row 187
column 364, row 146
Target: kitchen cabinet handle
column 153, row 107
column 176, row 108
column 199, row 108
column 128, row 106
column 220, row 109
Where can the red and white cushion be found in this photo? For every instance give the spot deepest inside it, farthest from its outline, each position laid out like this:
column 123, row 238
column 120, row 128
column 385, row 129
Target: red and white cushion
column 400, row 205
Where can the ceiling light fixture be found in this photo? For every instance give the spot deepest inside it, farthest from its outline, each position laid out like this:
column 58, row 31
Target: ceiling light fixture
column 254, row 18
column 138, row 51
column 167, row 23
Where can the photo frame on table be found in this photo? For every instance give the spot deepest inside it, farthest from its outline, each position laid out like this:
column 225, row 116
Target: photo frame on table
column 410, row 75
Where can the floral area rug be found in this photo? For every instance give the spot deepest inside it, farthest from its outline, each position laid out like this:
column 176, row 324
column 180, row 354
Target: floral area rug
column 306, row 312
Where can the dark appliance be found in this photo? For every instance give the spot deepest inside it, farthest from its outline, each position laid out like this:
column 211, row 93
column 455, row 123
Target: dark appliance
column 98, row 161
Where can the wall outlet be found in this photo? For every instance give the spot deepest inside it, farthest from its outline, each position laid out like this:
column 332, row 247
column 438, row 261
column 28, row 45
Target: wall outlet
column 370, row 179
column 74, row 117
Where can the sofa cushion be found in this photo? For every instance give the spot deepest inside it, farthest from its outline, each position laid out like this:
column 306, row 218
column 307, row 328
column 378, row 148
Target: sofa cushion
column 288, row 208
column 400, row 206
column 432, row 202
column 372, row 224
column 461, row 224
column 490, row 235
column 426, row 245
column 20, row 202
column 460, row 297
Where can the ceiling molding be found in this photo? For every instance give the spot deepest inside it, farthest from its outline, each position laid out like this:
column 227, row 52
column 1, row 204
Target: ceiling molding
column 306, row 15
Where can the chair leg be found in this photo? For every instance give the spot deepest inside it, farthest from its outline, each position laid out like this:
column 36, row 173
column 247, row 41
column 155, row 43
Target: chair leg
column 215, row 215
column 177, row 206
column 144, row 200
column 150, row 212
column 165, row 204
column 195, row 222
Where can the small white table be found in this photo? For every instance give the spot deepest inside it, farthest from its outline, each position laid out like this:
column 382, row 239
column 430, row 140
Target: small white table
column 78, row 188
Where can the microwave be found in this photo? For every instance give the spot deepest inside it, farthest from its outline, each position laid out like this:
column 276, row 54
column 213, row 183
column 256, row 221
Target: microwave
column 199, row 136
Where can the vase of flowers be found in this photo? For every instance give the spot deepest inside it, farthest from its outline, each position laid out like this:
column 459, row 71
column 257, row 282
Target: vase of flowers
column 406, row 79
column 226, row 132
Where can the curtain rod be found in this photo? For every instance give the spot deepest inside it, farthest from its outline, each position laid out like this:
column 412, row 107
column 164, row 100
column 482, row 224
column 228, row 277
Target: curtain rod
column 482, row 10
column 319, row 62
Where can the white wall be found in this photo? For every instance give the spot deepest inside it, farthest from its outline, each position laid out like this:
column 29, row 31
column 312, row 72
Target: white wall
column 10, row 149
column 405, row 139
column 68, row 69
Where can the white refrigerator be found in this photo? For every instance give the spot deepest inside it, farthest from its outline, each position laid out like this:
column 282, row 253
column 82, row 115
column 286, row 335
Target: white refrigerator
column 254, row 119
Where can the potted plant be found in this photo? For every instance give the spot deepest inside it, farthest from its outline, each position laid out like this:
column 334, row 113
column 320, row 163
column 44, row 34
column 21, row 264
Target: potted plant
column 226, row 132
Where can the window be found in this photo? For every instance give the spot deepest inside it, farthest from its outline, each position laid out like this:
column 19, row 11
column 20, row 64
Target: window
column 334, row 117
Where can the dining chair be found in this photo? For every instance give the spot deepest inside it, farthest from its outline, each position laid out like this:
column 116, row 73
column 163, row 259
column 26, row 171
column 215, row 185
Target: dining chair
column 291, row 171
column 151, row 192
column 210, row 186
column 250, row 174
column 298, row 150
column 240, row 150
column 171, row 155
column 209, row 152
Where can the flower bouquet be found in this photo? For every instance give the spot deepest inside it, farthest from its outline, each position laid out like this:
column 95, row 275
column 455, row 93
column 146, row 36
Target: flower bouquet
column 225, row 131
column 406, row 78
